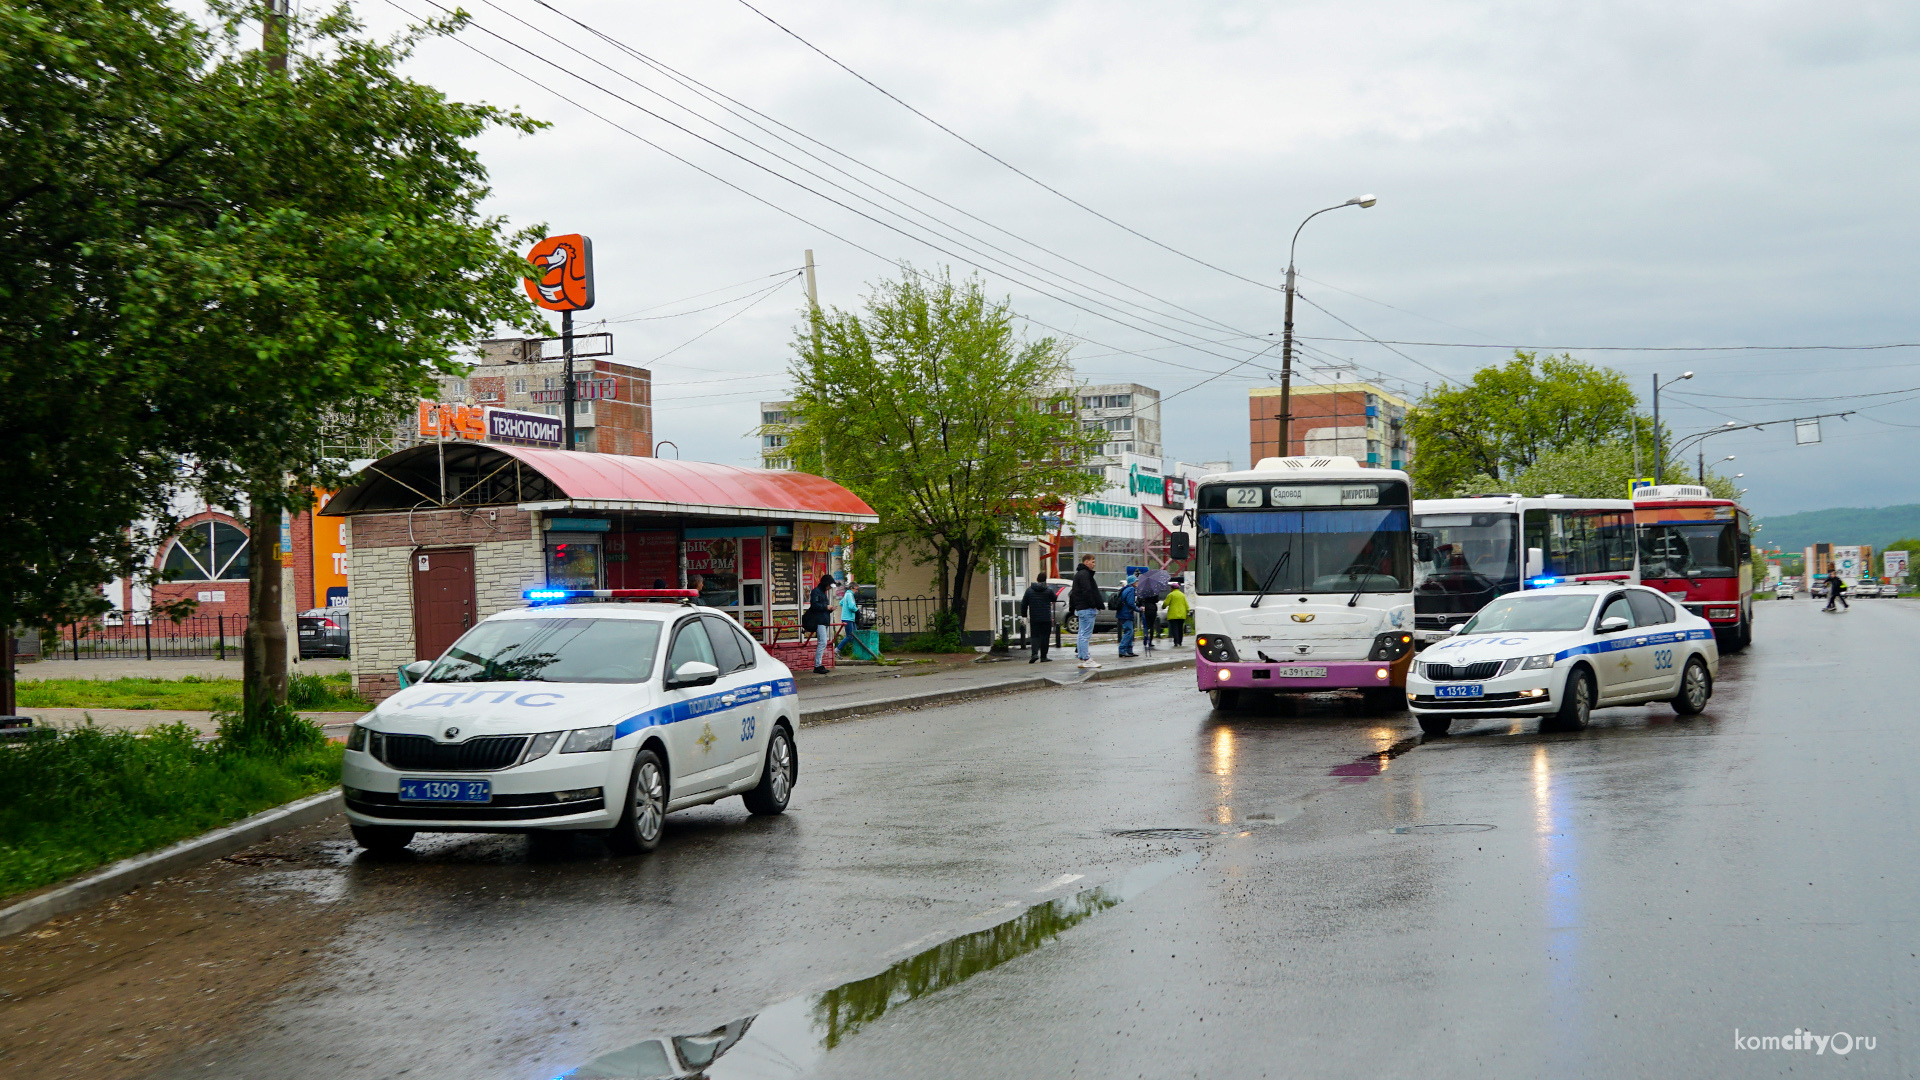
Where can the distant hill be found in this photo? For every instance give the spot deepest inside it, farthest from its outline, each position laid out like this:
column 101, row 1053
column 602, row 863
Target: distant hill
column 1844, row 525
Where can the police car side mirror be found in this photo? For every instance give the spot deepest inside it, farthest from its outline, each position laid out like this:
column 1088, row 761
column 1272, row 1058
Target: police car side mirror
column 695, row 673
column 415, row 671
column 1612, row 624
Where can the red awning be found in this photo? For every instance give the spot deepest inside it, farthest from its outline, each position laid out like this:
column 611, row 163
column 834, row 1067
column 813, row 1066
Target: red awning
column 1162, row 516
column 571, row 480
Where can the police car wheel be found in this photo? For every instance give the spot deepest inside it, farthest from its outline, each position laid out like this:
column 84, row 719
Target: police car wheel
column 776, row 780
column 1696, row 686
column 643, row 820
column 1576, row 703
column 1436, row 725
column 381, row 839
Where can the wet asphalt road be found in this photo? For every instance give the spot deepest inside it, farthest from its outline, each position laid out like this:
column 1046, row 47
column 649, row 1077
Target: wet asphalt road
column 955, row 893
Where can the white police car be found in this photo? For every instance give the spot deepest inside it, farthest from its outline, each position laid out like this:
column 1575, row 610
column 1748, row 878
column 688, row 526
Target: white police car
column 576, row 716
column 1561, row 652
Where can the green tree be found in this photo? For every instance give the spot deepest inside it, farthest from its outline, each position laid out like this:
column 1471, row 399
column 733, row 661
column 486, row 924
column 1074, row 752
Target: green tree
column 1502, row 421
column 272, row 258
column 929, row 406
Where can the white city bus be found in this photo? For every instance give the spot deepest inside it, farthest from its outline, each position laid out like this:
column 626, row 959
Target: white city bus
column 1302, row 581
column 1468, row 551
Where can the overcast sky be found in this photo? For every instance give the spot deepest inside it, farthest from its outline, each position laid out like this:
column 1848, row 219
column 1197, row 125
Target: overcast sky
column 1599, row 174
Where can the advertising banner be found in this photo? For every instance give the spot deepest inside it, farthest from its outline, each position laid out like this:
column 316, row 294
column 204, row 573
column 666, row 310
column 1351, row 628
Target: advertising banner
column 1896, row 564
column 522, row 429
column 1847, row 563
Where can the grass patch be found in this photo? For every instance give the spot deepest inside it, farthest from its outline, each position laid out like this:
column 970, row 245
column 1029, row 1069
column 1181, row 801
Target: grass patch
column 321, row 693
column 76, row 800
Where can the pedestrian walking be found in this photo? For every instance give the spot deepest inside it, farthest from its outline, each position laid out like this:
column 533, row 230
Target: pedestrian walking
column 1084, row 601
column 1128, row 608
column 849, row 618
column 1037, row 605
column 1149, row 619
column 1177, row 611
column 1836, row 590
column 818, row 620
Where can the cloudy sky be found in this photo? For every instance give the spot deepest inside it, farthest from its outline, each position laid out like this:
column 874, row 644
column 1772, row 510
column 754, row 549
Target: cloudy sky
column 1554, row 175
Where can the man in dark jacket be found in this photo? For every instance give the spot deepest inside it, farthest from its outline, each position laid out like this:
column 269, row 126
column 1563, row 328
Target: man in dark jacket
column 1037, row 605
column 1084, row 602
column 1836, row 590
column 1128, row 608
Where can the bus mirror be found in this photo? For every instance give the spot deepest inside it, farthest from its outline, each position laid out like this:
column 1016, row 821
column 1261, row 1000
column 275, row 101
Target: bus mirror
column 1536, row 562
column 1423, row 547
column 1177, row 547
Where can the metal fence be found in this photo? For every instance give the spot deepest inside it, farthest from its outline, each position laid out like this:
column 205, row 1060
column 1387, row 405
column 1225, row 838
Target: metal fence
column 903, row 617
column 198, row 637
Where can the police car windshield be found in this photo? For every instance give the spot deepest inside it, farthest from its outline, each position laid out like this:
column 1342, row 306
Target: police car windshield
column 551, row 650
column 1523, row 614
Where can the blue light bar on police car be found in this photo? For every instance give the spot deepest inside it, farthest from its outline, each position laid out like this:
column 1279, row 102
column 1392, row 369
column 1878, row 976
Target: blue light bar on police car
column 1542, row 582
column 562, row 595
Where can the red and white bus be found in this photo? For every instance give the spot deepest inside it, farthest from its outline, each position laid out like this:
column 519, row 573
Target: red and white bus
column 1698, row 549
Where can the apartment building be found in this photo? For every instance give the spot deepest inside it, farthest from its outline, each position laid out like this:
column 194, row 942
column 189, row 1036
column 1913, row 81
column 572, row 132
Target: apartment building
column 1128, row 413
column 613, row 402
column 1353, row 419
column 774, row 431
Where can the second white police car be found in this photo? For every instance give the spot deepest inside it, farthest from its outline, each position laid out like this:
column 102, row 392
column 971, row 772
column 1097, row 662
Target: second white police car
column 574, row 717
column 1559, row 653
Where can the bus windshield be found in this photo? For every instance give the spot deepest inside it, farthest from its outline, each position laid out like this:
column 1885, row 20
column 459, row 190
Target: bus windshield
column 1464, row 553
column 1668, row 551
column 1329, row 551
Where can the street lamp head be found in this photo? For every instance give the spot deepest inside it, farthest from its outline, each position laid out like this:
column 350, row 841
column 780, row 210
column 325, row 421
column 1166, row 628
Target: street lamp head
column 1363, row 200
column 1687, row 375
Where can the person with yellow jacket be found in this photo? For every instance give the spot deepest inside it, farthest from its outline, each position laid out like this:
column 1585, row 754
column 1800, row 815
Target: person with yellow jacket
column 1178, row 609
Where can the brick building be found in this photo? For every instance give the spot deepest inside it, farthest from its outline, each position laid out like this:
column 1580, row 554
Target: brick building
column 613, row 406
column 1357, row 420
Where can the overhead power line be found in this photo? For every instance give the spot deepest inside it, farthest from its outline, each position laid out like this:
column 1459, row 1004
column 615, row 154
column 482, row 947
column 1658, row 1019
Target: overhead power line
column 1627, row 348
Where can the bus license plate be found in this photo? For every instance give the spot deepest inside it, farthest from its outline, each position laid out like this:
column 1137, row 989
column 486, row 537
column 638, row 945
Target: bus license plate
column 1301, row 672
column 1469, row 690
column 467, row 791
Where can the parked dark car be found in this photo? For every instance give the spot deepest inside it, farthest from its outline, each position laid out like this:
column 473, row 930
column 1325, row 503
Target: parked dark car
column 323, row 633
column 1108, row 619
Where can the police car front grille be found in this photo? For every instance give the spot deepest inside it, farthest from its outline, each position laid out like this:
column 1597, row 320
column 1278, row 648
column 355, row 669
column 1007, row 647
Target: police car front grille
column 474, row 755
column 1485, row 669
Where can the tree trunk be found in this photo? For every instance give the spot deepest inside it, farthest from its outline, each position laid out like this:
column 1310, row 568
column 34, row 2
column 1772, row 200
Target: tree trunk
column 963, row 568
column 6, row 665
column 264, row 668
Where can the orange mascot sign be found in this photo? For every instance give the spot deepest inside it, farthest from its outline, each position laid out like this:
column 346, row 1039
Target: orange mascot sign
column 566, row 281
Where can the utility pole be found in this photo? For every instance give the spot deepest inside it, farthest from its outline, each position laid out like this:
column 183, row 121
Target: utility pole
column 273, row 34
column 813, row 322
column 1286, row 366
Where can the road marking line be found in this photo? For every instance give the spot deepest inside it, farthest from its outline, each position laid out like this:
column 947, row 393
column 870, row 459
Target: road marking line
column 1063, row 879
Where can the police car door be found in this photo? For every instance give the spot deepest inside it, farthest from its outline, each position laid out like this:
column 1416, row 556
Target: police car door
column 697, row 735
column 1622, row 667
column 741, row 692
column 1665, row 656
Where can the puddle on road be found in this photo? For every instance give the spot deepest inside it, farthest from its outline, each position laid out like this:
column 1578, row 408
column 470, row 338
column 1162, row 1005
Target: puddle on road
column 1431, row 830
column 1368, row 766
column 788, row 1039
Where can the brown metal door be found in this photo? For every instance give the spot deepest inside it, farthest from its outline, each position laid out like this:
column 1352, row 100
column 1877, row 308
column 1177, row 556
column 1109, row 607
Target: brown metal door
column 442, row 600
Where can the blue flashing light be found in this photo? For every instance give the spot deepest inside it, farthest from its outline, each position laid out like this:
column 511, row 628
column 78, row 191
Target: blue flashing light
column 1542, row 582
column 545, row 594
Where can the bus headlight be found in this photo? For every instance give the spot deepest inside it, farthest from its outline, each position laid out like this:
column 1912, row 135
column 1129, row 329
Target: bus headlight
column 1391, row 645
column 1217, row 648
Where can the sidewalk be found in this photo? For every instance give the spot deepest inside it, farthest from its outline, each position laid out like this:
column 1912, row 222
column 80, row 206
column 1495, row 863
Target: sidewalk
column 853, row 690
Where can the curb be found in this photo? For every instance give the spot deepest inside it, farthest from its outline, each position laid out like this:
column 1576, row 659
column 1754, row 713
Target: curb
column 124, row 875
column 830, row 713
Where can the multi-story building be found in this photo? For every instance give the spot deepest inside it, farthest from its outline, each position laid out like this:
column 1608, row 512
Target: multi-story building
column 613, row 402
column 1128, row 413
column 1353, row 419
column 774, row 431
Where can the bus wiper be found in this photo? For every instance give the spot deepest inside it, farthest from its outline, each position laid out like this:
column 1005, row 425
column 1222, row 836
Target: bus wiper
column 1271, row 576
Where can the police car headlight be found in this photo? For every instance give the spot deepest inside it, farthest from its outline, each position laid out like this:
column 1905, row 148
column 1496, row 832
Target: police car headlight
column 357, row 738
column 541, row 744
column 1536, row 663
column 587, row 740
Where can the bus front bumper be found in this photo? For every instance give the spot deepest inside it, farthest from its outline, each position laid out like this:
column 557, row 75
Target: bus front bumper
column 1302, row 675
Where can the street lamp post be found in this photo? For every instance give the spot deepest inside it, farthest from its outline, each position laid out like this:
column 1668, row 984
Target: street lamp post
column 1286, row 345
column 1659, row 455
column 1703, row 463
